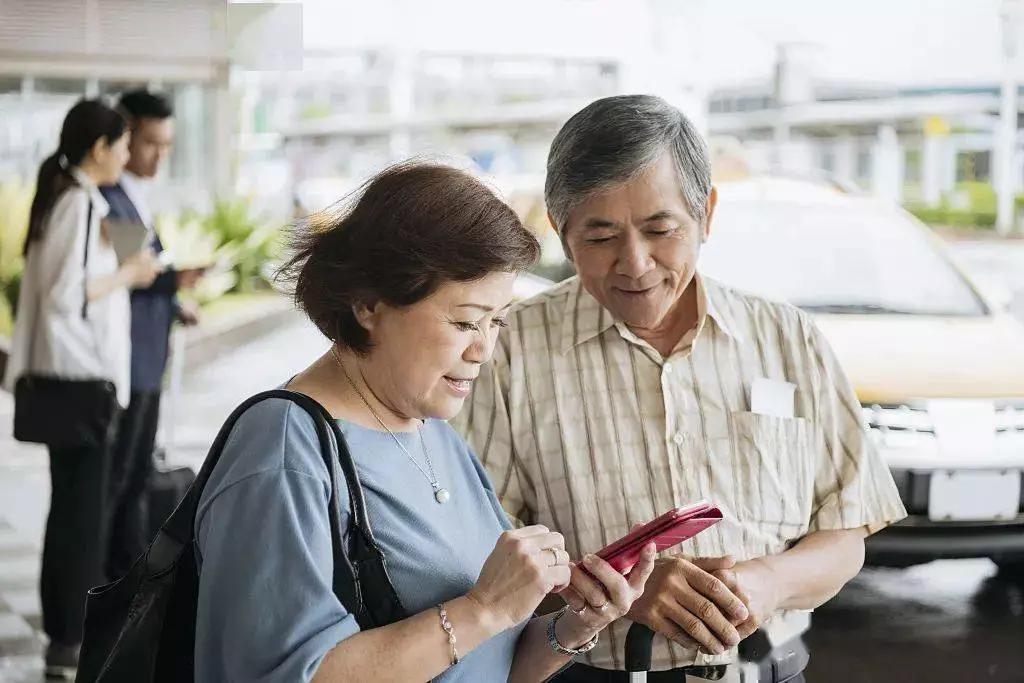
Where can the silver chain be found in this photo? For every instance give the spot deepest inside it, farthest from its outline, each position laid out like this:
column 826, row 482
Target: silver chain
column 432, row 477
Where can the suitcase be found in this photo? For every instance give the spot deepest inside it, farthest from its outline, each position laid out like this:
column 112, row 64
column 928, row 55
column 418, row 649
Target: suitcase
column 169, row 483
column 760, row 662
column 167, row 488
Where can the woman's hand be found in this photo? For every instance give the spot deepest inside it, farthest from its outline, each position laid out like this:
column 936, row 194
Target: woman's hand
column 599, row 596
column 141, row 268
column 525, row 566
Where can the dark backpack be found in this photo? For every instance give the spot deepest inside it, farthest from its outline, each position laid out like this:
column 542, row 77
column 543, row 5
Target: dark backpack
column 141, row 628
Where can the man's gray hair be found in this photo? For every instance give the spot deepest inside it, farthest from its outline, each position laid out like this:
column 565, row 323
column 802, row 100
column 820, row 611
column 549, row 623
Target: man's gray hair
column 615, row 139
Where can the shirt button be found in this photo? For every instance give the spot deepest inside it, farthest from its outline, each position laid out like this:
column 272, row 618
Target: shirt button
column 679, row 438
column 668, row 368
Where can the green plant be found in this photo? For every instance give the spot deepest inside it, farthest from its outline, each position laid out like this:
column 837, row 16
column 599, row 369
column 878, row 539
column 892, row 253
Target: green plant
column 15, row 202
column 972, row 196
column 941, row 215
column 192, row 245
column 253, row 238
column 969, row 205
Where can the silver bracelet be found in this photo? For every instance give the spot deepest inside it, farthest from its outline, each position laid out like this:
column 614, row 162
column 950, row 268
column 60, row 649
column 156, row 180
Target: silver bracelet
column 561, row 649
column 447, row 626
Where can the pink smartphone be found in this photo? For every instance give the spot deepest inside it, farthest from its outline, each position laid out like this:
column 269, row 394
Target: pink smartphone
column 668, row 530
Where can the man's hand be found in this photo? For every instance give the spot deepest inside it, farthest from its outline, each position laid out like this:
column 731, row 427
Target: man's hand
column 686, row 603
column 188, row 313
column 756, row 585
column 189, row 277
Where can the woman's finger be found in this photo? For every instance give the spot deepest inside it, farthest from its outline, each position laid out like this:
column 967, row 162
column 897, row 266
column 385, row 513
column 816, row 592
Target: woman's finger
column 551, row 539
column 588, row 588
column 643, row 569
column 559, row 576
column 530, row 531
column 574, row 600
column 613, row 583
column 556, row 556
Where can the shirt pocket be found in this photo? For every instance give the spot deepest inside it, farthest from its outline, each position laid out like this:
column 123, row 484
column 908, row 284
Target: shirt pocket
column 773, row 461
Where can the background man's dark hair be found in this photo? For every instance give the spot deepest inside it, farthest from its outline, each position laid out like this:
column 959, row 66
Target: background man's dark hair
column 143, row 104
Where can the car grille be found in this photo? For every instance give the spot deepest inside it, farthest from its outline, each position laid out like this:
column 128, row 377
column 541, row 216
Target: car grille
column 914, row 486
column 909, row 423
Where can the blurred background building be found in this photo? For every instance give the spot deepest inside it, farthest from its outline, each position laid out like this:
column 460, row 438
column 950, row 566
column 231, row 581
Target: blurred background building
column 53, row 52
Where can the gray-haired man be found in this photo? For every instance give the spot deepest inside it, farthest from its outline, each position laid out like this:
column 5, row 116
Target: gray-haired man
column 637, row 386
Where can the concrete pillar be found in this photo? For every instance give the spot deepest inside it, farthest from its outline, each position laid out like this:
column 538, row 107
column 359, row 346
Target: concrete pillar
column 846, row 158
column 932, row 162
column 887, row 165
column 223, row 134
column 1011, row 23
column 1005, row 152
column 781, row 137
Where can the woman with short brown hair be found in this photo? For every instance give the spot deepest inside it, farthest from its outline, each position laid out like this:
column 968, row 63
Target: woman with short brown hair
column 410, row 282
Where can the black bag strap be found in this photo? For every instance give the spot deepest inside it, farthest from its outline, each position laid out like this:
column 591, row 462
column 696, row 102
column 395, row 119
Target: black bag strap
column 360, row 579
column 85, row 263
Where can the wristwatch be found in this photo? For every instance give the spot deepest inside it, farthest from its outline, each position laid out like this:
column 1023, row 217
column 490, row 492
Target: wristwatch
column 558, row 647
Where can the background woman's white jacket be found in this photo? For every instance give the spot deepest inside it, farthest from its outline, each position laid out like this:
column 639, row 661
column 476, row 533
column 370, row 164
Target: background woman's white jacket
column 50, row 335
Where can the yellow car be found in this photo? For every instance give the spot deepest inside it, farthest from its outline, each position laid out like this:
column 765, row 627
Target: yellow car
column 938, row 364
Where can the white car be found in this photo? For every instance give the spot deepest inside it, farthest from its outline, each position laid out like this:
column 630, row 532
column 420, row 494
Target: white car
column 938, row 364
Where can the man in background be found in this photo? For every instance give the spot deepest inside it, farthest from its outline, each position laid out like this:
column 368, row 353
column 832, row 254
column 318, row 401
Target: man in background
column 154, row 310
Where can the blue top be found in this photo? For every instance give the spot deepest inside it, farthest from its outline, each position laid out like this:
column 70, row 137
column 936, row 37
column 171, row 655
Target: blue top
column 154, row 308
column 266, row 610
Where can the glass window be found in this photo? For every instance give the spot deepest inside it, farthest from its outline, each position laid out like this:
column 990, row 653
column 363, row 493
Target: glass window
column 863, row 165
column 834, row 257
column 828, row 159
column 912, row 161
column 974, row 166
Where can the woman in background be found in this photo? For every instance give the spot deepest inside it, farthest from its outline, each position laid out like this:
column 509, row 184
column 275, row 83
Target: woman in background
column 52, row 336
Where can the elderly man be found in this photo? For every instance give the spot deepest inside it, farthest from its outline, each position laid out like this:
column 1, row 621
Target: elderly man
column 640, row 385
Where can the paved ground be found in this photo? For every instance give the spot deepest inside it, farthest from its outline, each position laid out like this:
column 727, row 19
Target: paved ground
column 949, row 621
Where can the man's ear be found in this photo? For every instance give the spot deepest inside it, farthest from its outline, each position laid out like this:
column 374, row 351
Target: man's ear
column 561, row 236
column 709, row 214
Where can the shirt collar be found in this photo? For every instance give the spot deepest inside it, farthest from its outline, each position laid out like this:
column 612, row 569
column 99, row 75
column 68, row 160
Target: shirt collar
column 82, row 178
column 713, row 295
column 585, row 318
column 135, row 188
column 130, row 182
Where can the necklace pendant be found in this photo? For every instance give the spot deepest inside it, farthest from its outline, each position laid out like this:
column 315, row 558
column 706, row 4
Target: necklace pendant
column 442, row 496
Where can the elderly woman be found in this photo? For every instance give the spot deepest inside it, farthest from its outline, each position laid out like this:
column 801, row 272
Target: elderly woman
column 410, row 284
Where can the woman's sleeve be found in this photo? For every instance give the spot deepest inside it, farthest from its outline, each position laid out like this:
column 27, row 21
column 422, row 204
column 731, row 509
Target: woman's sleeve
column 267, row 612
column 62, row 257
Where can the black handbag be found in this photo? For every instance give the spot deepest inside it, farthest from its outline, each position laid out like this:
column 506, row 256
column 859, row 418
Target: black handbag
column 141, row 628
column 61, row 412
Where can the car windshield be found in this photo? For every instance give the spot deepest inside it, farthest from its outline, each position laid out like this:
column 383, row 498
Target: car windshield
column 832, row 258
